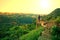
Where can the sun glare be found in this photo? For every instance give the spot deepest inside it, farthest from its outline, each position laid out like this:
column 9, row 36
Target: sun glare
column 44, row 4
column 29, row 6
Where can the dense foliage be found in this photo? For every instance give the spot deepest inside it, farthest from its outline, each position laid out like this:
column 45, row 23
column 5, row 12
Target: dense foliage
column 12, row 27
column 55, row 32
column 33, row 35
column 23, row 26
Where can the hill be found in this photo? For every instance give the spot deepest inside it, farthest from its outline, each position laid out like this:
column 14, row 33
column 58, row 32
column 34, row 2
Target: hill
column 53, row 15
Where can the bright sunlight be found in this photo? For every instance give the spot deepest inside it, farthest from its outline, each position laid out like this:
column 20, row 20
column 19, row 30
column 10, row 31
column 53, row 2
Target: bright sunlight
column 29, row 6
column 44, row 4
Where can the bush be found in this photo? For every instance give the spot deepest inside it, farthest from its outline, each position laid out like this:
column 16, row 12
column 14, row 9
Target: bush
column 55, row 32
column 13, row 33
column 33, row 35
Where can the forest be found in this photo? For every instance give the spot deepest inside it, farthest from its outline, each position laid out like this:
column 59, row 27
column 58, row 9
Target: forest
column 23, row 26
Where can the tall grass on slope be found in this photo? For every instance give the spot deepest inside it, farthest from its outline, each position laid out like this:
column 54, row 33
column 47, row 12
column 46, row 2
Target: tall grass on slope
column 33, row 35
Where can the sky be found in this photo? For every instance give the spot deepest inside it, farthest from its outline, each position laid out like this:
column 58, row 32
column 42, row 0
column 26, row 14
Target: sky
column 29, row 6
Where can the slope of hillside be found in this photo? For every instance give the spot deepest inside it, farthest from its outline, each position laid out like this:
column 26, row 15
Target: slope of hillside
column 53, row 15
column 56, row 12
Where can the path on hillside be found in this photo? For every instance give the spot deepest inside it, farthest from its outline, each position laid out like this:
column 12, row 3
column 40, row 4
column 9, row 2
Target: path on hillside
column 45, row 35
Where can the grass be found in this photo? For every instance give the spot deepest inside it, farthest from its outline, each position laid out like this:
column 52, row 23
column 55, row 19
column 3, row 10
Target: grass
column 33, row 35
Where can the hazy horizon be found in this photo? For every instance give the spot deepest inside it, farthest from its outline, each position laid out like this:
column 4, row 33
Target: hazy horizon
column 29, row 6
